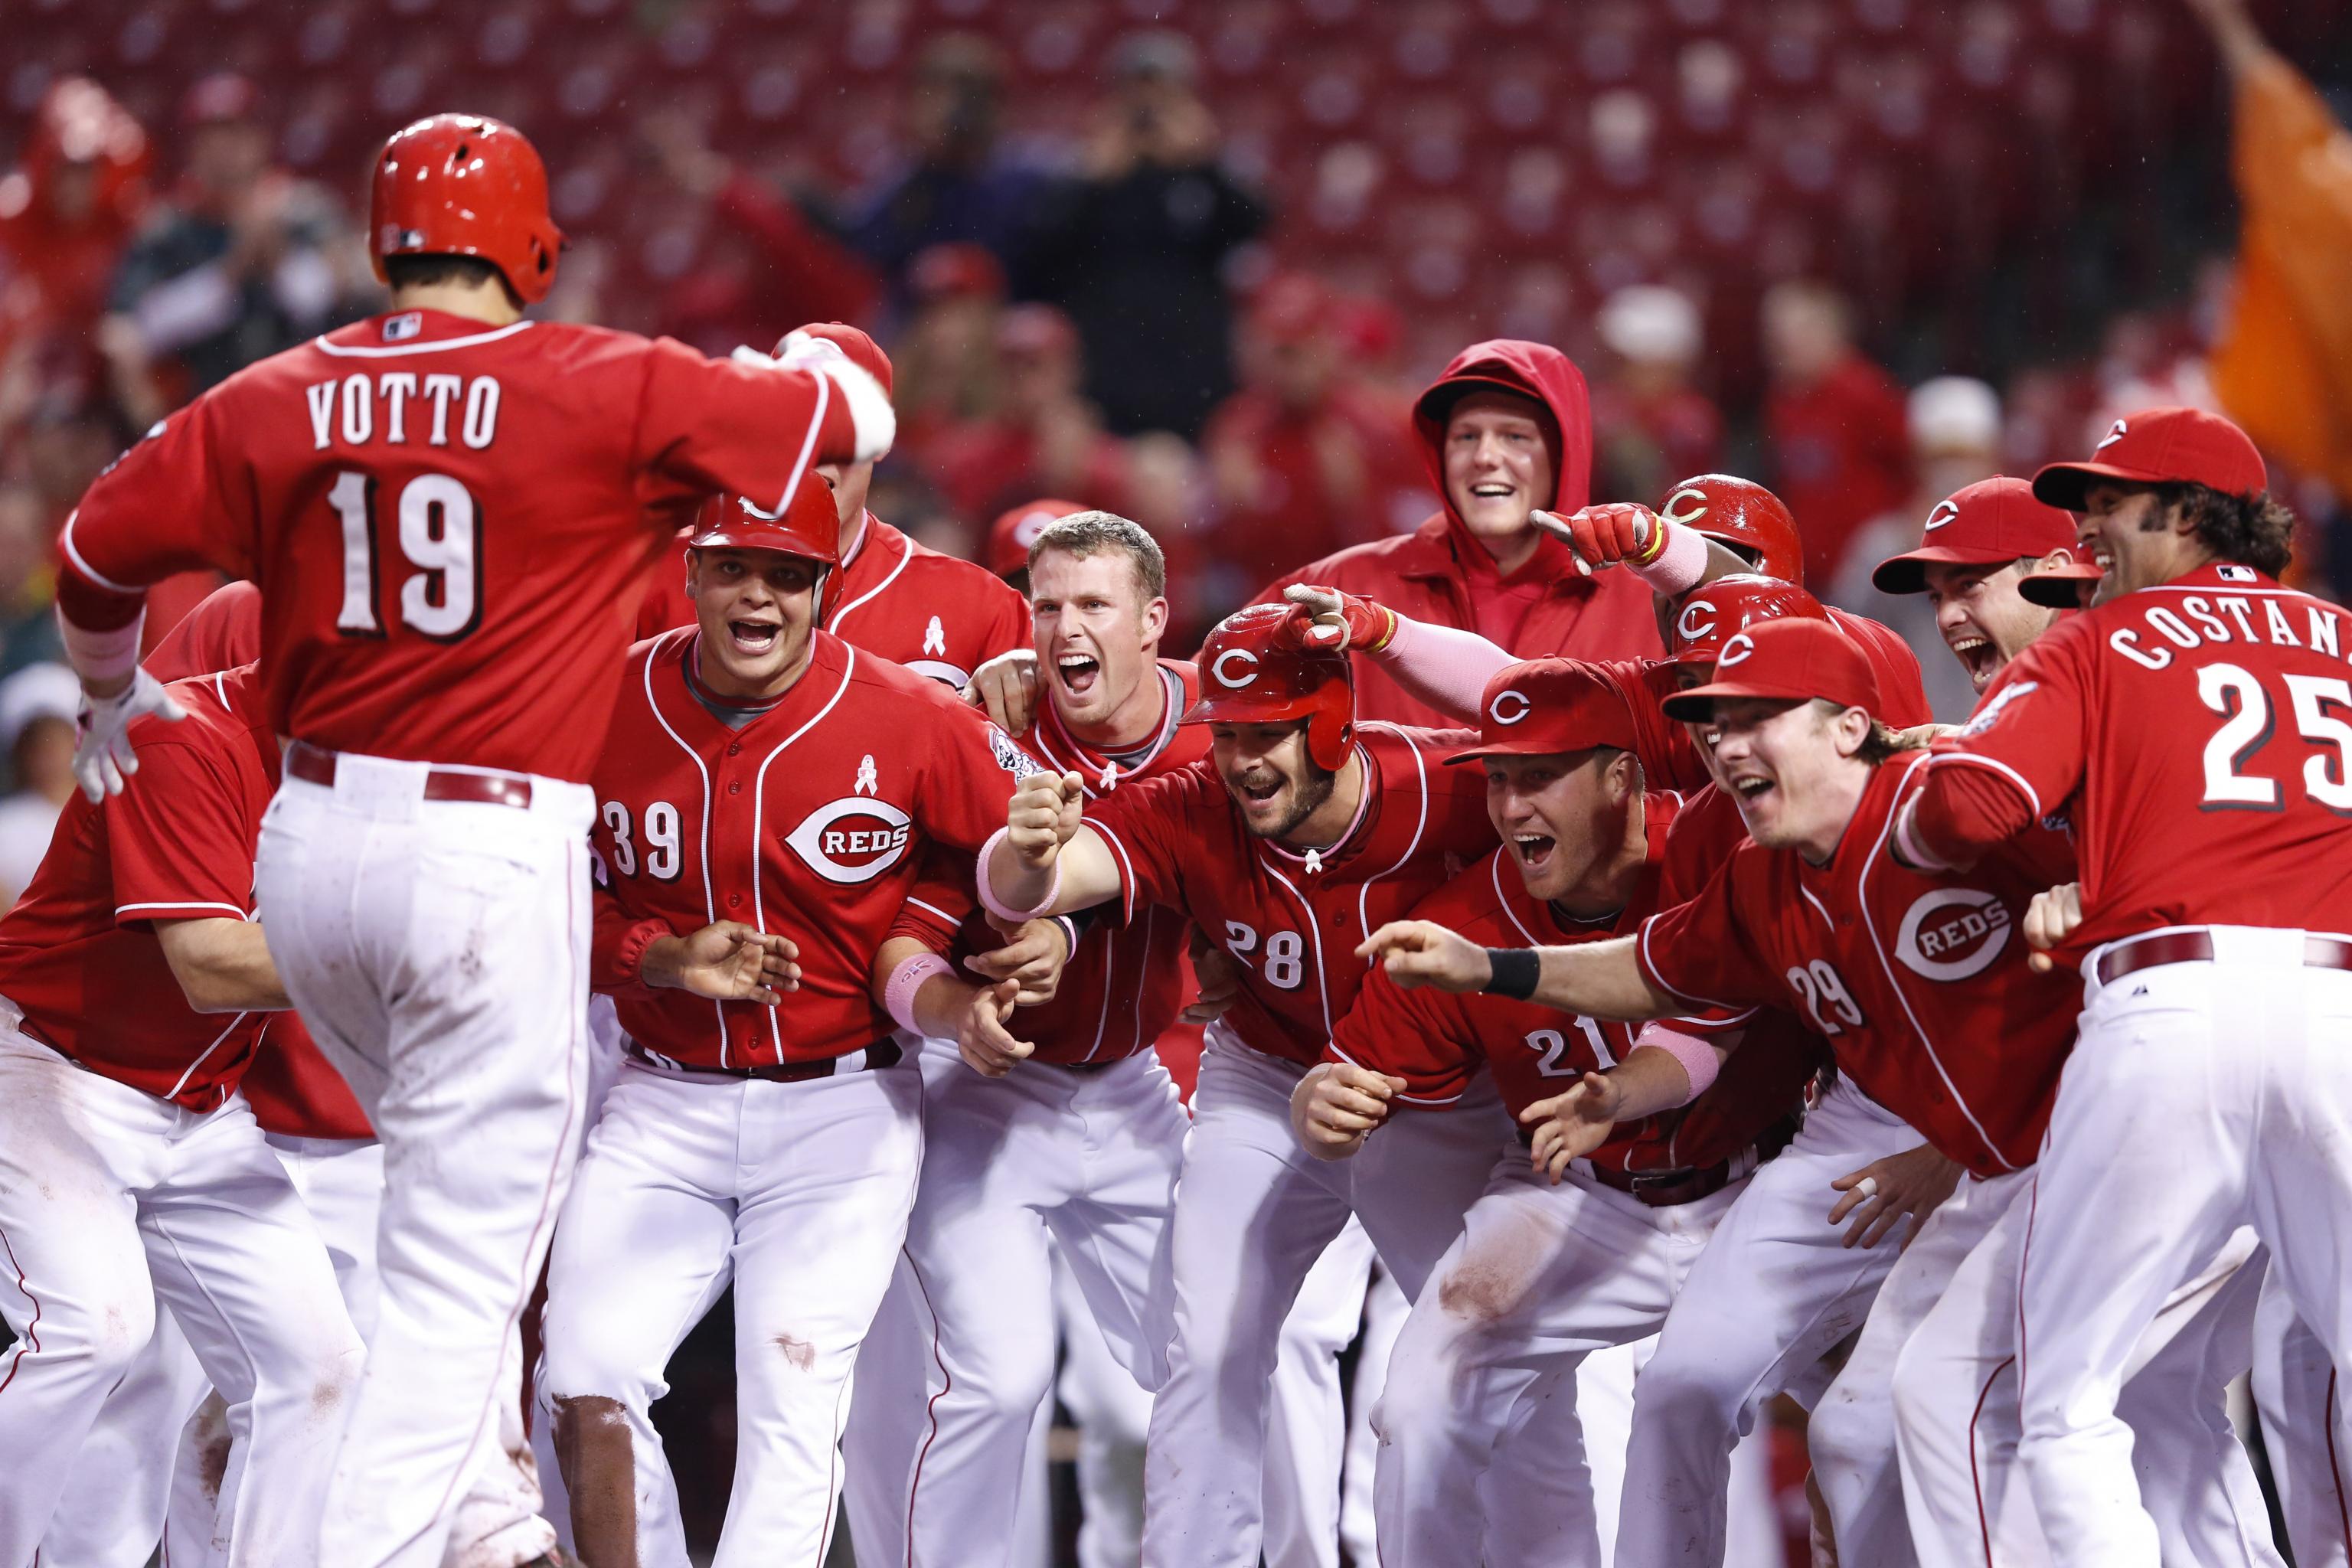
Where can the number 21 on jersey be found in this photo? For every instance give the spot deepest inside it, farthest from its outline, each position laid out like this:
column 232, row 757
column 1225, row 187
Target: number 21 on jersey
column 439, row 530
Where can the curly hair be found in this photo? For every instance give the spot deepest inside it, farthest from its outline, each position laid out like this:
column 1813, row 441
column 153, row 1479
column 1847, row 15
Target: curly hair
column 2252, row 531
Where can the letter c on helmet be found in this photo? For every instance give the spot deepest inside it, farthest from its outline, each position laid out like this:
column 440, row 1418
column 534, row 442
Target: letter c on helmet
column 1228, row 657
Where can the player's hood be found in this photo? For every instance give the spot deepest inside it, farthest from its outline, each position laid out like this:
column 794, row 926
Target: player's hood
column 1532, row 370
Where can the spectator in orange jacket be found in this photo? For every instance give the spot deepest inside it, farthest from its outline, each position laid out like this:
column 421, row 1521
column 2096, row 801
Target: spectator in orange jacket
column 1505, row 430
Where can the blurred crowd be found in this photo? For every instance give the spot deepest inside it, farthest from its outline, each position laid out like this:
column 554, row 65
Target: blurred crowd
column 1099, row 319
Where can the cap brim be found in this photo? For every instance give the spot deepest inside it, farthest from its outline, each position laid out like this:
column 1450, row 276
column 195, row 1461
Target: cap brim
column 1697, row 705
column 1530, row 749
column 724, row 539
column 2064, row 485
column 2058, row 589
column 1907, row 572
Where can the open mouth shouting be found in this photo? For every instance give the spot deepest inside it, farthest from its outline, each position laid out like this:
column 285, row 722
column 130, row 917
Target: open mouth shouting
column 1533, row 850
column 1079, row 673
column 753, row 636
column 1978, row 654
column 1749, row 787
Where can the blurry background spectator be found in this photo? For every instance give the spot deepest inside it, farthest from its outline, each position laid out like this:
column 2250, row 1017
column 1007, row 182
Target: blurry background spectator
column 1043, row 438
column 1133, row 251
column 65, row 213
column 1651, row 427
column 957, row 182
column 38, row 705
column 29, row 629
column 945, row 356
column 1841, row 454
column 1956, row 440
column 1304, row 458
column 234, row 267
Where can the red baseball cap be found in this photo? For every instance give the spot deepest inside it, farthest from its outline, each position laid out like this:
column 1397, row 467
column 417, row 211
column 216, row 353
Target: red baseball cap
column 1793, row 659
column 2058, row 587
column 1547, row 707
column 1013, row 532
column 1989, row 523
column 863, row 351
column 2161, row 446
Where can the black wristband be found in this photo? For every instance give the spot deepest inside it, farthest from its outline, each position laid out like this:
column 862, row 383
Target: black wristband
column 1517, row 970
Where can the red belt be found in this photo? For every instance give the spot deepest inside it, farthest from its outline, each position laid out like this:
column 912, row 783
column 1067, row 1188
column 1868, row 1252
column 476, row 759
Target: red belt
column 313, row 765
column 882, row 1053
column 2129, row 957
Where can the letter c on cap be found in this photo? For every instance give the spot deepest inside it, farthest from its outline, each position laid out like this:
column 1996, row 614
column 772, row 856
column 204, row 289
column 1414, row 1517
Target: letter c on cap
column 1495, row 711
column 2115, row 434
column 1226, row 657
column 1689, row 626
column 1736, row 651
column 1945, row 511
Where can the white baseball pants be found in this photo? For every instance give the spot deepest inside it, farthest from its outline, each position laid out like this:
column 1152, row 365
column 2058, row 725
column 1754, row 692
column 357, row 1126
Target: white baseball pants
column 2303, row 1421
column 797, row 1192
column 1113, row 1412
column 2200, row 1097
column 1542, row 1277
column 1773, row 1293
column 438, row 951
column 1085, row 1156
column 1306, row 1435
column 112, row 1201
column 1253, row 1212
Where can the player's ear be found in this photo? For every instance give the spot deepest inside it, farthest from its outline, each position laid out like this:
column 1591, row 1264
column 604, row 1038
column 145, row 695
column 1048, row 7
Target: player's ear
column 693, row 569
column 1155, row 619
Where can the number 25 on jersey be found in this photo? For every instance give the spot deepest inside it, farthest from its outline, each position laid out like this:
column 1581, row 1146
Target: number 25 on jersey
column 439, row 532
column 2319, row 705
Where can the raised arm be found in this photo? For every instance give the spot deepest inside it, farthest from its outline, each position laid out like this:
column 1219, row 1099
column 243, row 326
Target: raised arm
column 1446, row 668
column 1047, row 861
column 1599, row 979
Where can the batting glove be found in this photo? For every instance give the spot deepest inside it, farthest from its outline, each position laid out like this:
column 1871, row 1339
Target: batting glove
column 870, row 406
column 1670, row 557
column 1329, row 621
column 104, row 758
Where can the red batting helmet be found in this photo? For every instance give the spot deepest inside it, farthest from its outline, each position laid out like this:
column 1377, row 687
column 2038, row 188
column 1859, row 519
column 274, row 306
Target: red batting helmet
column 460, row 185
column 1715, row 612
column 1249, row 676
column 805, row 525
column 1745, row 516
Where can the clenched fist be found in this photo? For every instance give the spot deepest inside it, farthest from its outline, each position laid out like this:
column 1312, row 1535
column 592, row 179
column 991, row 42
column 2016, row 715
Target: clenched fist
column 1042, row 816
column 2050, row 920
column 1423, row 953
column 1337, row 1105
column 1605, row 535
column 1332, row 621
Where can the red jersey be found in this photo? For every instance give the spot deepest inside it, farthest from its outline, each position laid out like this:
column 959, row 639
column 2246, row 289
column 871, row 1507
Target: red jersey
column 1670, row 760
column 1435, row 1041
column 937, row 615
column 1293, row 921
column 77, row 954
column 1919, row 981
column 295, row 1092
column 811, row 820
column 450, row 523
column 1127, row 979
column 2198, row 736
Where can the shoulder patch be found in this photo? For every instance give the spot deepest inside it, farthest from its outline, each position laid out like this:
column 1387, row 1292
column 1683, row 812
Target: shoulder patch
column 1984, row 717
column 1009, row 757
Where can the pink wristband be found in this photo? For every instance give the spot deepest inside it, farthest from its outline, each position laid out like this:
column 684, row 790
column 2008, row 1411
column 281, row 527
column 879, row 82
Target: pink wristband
column 102, row 656
column 998, row 907
column 1680, row 565
column 898, row 994
column 1698, row 1059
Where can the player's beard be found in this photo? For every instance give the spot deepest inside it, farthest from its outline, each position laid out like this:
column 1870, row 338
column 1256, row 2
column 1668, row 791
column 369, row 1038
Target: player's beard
column 1309, row 794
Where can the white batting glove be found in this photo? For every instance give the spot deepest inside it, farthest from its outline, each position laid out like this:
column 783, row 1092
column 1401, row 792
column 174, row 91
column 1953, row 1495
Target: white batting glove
column 104, row 759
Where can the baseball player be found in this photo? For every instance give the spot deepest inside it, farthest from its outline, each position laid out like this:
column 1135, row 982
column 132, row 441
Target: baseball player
column 1075, row 1139
column 762, row 773
column 1920, row 984
column 1015, row 530
column 1584, row 840
column 2153, row 722
column 1977, row 549
column 937, row 615
column 1301, row 829
column 449, row 510
column 133, row 1179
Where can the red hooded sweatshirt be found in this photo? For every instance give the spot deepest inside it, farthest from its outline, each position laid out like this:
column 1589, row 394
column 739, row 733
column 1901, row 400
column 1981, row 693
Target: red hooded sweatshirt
column 1439, row 573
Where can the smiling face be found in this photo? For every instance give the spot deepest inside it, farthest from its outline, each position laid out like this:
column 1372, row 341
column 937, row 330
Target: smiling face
column 1790, row 766
column 2135, row 540
column 1561, row 817
column 1097, row 635
column 1982, row 618
column 755, row 608
column 1267, row 770
column 1498, row 466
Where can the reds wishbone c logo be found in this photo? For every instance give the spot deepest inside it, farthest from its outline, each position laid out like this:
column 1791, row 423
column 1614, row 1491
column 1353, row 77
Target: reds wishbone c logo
column 872, row 834
column 2115, row 434
column 1689, row 627
column 1519, row 709
column 1952, row 934
column 1672, row 510
column 1945, row 511
column 1226, row 676
column 1736, row 651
